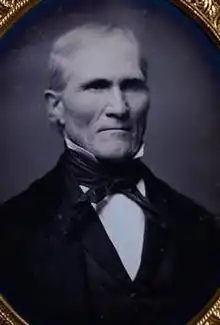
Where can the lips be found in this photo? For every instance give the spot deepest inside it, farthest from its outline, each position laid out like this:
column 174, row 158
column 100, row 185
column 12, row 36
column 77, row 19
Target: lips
column 115, row 129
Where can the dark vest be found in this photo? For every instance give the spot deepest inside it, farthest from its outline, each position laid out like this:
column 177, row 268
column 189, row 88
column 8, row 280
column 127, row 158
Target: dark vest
column 59, row 266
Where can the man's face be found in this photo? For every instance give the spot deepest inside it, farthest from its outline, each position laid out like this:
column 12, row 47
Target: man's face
column 105, row 100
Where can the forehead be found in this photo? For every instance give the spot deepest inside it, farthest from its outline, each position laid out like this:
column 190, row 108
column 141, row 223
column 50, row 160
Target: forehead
column 113, row 56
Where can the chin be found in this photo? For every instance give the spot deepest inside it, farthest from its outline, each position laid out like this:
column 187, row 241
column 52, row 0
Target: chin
column 113, row 154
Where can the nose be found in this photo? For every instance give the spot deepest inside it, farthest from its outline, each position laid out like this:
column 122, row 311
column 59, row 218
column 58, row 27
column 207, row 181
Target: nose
column 118, row 106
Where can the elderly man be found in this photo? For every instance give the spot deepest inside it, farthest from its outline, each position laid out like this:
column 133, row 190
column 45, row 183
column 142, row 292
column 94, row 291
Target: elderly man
column 100, row 239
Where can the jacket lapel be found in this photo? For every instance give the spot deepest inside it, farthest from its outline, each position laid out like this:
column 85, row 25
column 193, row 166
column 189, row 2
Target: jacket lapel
column 155, row 241
column 83, row 224
column 98, row 245
column 157, row 231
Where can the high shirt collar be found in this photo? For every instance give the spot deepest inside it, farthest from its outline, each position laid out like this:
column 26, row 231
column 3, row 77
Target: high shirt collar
column 73, row 146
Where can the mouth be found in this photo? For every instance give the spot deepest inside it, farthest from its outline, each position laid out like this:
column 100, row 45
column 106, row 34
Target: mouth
column 117, row 129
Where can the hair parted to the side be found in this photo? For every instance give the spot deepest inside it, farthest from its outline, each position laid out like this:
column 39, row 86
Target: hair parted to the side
column 68, row 43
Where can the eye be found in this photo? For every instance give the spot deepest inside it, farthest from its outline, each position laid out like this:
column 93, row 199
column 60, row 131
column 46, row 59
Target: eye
column 133, row 84
column 98, row 84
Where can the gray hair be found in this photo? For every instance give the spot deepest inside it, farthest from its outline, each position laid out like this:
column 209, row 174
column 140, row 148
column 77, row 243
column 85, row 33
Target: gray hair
column 70, row 42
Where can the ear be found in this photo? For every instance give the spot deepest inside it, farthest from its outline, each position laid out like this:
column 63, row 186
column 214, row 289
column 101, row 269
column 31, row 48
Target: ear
column 55, row 108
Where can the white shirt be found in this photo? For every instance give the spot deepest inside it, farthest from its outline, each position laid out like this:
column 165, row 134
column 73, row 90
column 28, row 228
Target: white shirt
column 123, row 221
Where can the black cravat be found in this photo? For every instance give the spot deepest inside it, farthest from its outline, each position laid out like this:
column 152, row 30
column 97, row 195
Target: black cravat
column 106, row 178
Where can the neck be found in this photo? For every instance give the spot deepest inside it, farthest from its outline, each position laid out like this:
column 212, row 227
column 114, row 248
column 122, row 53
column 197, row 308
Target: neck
column 75, row 147
column 88, row 172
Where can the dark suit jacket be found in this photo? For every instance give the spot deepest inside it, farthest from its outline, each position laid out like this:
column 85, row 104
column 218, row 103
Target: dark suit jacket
column 58, row 265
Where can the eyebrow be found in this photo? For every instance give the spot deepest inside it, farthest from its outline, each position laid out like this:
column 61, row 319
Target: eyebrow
column 96, row 83
column 133, row 83
column 125, row 83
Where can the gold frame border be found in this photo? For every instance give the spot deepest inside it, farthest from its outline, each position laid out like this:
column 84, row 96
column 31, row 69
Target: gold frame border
column 12, row 10
column 8, row 316
column 207, row 14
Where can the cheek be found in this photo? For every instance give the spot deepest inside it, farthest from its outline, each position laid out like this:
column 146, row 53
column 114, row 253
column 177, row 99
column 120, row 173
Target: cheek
column 79, row 109
column 138, row 103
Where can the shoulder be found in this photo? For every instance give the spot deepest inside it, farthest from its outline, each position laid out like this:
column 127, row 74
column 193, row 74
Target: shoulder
column 41, row 193
column 183, row 209
column 192, row 226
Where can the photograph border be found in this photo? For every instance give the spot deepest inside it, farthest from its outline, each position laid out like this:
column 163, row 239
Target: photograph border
column 204, row 12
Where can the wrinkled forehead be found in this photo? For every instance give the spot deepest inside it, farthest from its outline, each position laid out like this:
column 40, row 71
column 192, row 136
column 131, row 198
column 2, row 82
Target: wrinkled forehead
column 114, row 54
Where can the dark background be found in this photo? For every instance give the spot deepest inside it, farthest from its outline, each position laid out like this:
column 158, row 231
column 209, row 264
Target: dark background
column 183, row 134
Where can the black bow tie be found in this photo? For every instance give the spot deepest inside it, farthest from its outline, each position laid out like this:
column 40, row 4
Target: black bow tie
column 106, row 178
